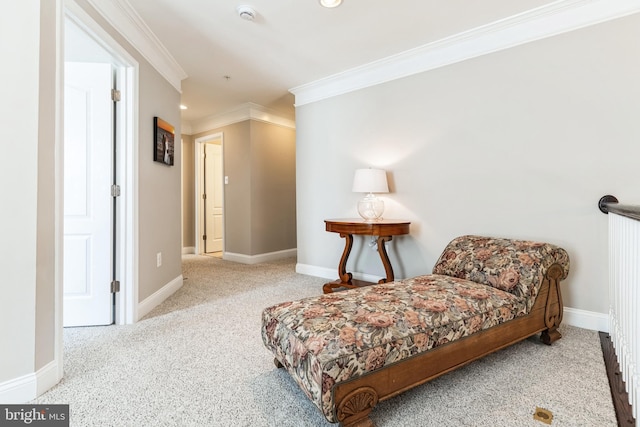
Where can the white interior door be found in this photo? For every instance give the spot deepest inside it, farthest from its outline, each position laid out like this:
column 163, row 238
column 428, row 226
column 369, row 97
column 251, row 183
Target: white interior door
column 214, row 199
column 88, row 162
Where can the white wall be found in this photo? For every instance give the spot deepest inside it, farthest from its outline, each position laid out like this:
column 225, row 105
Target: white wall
column 519, row 143
column 19, row 113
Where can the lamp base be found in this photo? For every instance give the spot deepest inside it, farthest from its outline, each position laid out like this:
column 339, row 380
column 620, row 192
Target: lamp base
column 371, row 208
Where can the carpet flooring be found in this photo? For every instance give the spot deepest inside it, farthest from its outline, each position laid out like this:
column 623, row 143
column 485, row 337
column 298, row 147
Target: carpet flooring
column 198, row 360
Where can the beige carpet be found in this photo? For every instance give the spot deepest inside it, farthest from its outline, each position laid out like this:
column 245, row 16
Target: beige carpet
column 198, row 360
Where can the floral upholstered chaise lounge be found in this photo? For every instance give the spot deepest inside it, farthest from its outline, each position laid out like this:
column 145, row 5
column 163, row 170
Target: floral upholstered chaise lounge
column 348, row 350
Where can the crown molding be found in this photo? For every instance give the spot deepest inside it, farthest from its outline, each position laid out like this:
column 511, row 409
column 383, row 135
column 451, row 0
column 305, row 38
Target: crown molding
column 123, row 17
column 555, row 18
column 247, row 111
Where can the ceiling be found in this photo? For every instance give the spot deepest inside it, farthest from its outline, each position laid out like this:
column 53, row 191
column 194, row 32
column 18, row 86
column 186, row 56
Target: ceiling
column 230, row 61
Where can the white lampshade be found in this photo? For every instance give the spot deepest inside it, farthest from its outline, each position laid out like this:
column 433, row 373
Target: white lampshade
column 370, row 181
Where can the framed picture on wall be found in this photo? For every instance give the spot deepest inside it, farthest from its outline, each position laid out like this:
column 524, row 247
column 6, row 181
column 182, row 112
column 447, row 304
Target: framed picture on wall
column 163, row 137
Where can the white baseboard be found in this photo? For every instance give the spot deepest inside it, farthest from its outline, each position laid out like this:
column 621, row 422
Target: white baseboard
column 256, row 259
column 572, row 316
column 188, row 250
column 155, row 299
column 312, row 270
column 48, row 376
column 19, row 390
column 332, row 273
column 27, row 387
column 586, row 319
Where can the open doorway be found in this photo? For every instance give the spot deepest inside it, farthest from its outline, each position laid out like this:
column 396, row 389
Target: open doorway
column 108, row 263
column 210, row 182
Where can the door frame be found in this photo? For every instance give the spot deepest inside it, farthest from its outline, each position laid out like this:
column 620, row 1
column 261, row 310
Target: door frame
column 127, row 69
column 198, row 147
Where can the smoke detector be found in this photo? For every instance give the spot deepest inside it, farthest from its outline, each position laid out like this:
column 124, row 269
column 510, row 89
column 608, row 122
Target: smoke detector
column 247, row 13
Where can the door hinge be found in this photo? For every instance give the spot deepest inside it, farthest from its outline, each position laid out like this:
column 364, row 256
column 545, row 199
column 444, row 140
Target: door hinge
column 115, row 95
column 115, row 190
column 204, row 196
column 115, row 286
column 204, row 237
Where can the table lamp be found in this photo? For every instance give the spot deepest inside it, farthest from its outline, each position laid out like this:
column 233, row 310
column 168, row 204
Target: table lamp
column 370, row 181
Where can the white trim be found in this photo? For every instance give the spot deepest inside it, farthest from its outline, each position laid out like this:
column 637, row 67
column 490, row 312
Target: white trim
column 130, row 25
column 247, row 111
column 28, row 387
column 312, row 270
column 188, row 250
column 332, row 273
column 158, row 297
column 46, row 377
column 129, row 206
column 59, row 194
column 546, row 21
column 586, row 319
column 19, row 390
column 257, row 259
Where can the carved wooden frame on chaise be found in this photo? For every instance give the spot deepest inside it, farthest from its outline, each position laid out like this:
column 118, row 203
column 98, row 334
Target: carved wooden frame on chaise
column 354, row 398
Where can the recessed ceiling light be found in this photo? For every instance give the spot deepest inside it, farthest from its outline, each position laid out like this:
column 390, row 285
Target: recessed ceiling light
column 330, row 3
column 183, row 107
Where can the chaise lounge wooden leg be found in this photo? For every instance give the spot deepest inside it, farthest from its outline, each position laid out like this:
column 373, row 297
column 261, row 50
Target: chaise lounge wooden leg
column 553, row 308
column 550, row 336
column 353, row 410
